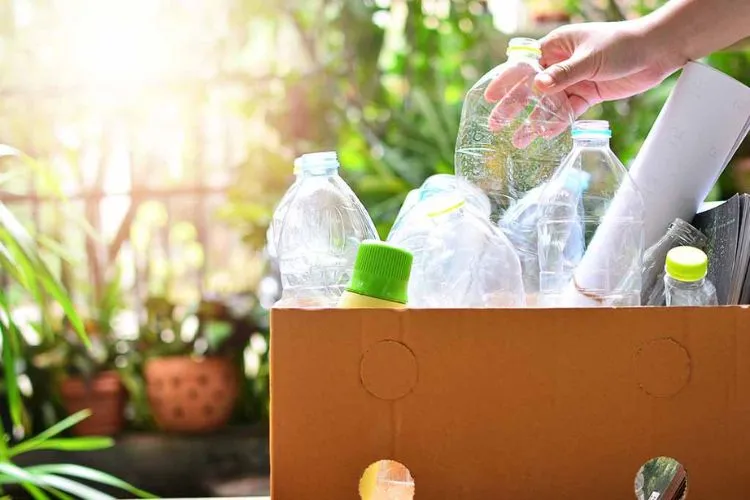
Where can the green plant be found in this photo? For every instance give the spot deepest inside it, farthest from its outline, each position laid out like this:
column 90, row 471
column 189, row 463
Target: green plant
column 21, row 261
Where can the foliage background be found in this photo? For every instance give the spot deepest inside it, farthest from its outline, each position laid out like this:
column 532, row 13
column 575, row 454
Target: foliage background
column 383, row 85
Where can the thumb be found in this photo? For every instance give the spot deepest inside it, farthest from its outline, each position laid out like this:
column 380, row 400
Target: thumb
column 562, row 75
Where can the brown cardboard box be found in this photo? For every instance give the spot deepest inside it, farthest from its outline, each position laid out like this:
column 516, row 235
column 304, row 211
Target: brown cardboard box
column 510, row 404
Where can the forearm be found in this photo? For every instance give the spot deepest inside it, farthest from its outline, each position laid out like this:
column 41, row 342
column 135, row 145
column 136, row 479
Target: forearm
column 691, row 29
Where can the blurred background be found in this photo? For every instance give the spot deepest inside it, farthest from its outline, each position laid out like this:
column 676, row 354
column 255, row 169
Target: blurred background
column 146, row 145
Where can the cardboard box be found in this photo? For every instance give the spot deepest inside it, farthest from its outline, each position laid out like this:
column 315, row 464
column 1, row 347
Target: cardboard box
column 510, row 404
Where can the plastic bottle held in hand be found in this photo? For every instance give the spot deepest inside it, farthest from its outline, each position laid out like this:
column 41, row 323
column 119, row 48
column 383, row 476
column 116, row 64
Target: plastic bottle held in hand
column 685, row 282
column 611, row 276
column 511, row 137
column 380, row 278
column 319, row 234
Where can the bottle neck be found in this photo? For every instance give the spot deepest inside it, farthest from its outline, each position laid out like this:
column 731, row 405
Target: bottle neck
column 316, row 171
column 523, row 55
column 694, row 285
column 591, row 142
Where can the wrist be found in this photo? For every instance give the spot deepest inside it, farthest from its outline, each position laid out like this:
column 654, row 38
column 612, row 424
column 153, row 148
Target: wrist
column 662, row 41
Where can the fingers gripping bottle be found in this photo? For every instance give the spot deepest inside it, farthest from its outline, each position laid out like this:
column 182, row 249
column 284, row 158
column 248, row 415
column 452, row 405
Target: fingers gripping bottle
column 511, row 137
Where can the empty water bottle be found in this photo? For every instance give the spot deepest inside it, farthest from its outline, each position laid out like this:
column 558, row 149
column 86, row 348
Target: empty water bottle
column 520, row 224
column 460, row 258
column 318, row 234
column 685, row 282
column 512, row 137
column 679, row 233
column 437, row 185
column 580, row 265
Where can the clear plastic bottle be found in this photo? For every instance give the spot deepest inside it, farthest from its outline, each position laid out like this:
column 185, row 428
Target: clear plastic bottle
column 511, row 137
column 685, row 282
column 435, row 185
column 679, row 233
column 461, row 259
column 277, row 221
column 578, row 266
column 520, row 225
column 320, row 232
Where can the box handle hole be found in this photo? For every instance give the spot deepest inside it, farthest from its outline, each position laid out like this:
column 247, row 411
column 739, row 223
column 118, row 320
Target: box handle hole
column 386, row 480
column 661, row 478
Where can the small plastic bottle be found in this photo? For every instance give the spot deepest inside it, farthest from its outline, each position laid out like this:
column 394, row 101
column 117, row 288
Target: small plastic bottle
column 685, row 282
column 380, row 278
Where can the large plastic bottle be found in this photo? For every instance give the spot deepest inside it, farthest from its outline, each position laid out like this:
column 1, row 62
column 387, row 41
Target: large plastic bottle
column 511, row 137
column 460, row 258
column 319, row 234
column 520, row 225
column 607, row 276
column 685, row 282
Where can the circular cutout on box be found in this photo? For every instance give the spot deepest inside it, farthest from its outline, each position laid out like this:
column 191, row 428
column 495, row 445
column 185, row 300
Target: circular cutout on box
column 388, row 370
column 661, row 478
column 662, row 367
column 386, row 480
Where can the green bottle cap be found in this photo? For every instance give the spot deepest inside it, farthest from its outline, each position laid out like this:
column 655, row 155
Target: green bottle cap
column 381, row 271
column 687, row 264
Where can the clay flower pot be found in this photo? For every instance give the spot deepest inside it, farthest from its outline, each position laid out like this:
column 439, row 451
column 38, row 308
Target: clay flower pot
column 190, row 394
column 103, row 395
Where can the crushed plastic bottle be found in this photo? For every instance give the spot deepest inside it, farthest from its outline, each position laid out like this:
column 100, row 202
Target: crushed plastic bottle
column 460, row 258
column 438, row 184
column 318, row 233
column 685, row 282
column 520, row 224
column 679, row 233
column 575, row 268
column 511, row 137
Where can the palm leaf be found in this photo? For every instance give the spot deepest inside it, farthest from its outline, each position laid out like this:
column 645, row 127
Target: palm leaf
column 90, row 474
column 35, row 492
column 44, row 440
column 11, row 352
column 76, row 489
column 16, row 237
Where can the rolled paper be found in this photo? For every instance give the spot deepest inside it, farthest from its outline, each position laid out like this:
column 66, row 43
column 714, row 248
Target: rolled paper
column 703, row 122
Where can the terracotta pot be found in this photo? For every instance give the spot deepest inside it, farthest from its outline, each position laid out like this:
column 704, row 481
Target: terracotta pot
column 190, row 394
column 103, row 395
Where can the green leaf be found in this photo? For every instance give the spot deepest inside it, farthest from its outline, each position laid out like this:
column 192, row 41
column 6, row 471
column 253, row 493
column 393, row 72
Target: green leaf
column 16, row 237
column 74, row 488
column 66, row 444
column 12, row 474
column 90, row 474
column 35, row 491
column 11, row 353
column 42, row 440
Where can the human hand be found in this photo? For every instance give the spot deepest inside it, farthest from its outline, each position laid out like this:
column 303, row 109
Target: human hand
column 596, row 62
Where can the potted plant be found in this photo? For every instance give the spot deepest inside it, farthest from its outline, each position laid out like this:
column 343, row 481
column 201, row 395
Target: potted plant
column 191, row 371
column 87, row 376
column 26, row 271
